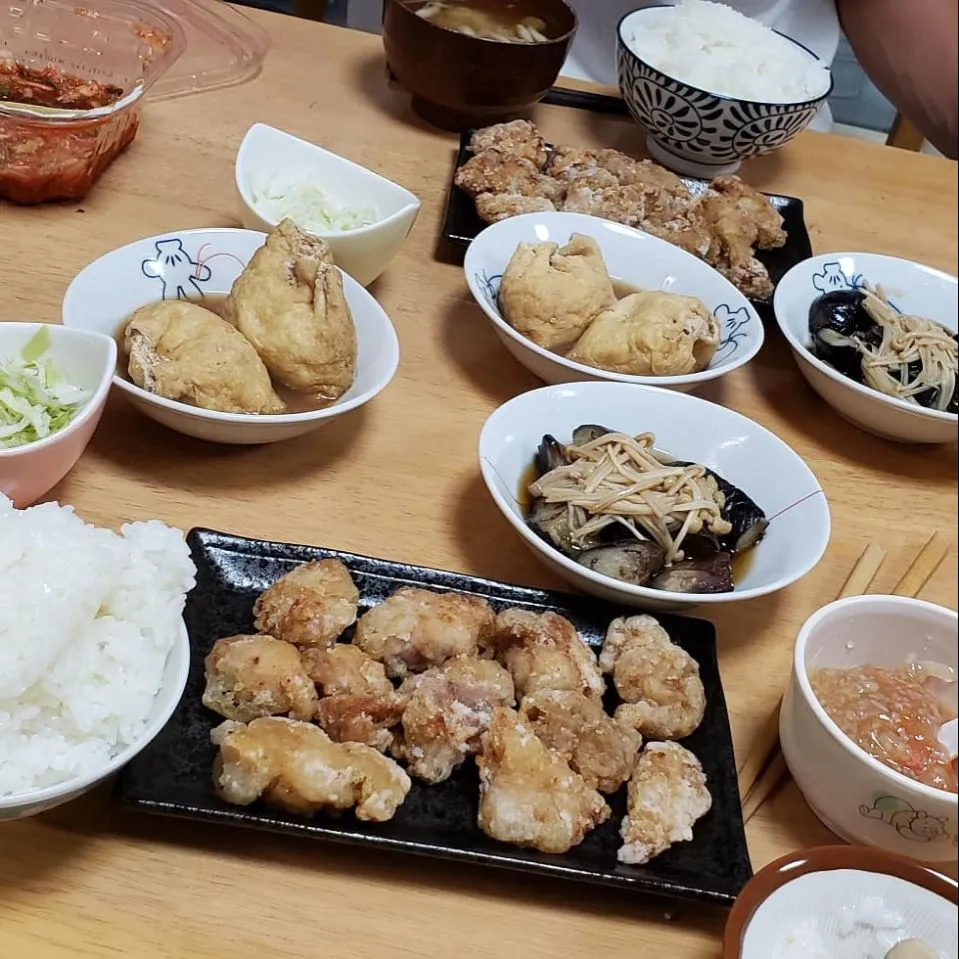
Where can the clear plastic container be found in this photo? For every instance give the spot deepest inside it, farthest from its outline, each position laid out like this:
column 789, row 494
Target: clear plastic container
column 54, row 145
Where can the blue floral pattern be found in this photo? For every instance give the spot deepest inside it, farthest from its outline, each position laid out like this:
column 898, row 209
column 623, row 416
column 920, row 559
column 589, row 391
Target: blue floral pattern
column 734, row 325
column 701, row 126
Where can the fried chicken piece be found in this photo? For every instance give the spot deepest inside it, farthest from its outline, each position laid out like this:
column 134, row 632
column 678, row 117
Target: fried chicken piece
column 494, row 172
column 596, row 746
column 493, row 207
column 417, row 628
column 644, row 173
column 753, row 205
column 658, row 681
column 448, row 710
column 297, row 767
column 309, row 606
column 551, row 293
column 667, row 794
column 289, row 303
column 544, row 651
column 528, row 794
column 572, row 165
column 184, row 352
column 359, row 703
column 517, row 138
column 252, row 676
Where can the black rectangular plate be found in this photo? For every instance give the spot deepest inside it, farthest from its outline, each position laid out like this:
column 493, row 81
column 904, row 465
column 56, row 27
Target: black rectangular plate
column 462, row 223
column 172, row 775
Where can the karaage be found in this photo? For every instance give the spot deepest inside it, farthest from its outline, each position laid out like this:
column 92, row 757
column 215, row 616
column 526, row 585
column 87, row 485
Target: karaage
column 667, row 794
column 596, row 746
column 297, row 767
column 544, row 651
column 448, row 709
column 417, row 628
column 658, row 681
column 252, row 676
column 310, row 606
column 528, row 794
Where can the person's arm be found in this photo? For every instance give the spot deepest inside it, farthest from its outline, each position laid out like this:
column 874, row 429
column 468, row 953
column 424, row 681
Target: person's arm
column 908, row 49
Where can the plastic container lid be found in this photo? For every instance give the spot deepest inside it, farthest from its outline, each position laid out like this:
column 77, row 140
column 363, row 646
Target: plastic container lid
column 166, row 48
column 224, row 47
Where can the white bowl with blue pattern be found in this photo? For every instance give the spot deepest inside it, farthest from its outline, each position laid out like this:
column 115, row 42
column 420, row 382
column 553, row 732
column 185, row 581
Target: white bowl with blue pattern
column 632, row 257
column 910, row 288
column 696, row 132
column 190, row 264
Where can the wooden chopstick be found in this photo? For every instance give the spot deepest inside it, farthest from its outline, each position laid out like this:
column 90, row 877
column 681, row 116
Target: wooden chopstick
column 756, row 791
column 767, row 741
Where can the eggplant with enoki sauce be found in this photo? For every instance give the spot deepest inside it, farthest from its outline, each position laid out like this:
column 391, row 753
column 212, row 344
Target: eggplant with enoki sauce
column 630, row 561
column 588, row 432
column 838, row 322
column 550, row 455
column 707, row 568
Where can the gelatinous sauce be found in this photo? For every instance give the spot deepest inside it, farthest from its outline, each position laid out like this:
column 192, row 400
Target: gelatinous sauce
column 41, row 161
column 893, row 715
column 219, row 303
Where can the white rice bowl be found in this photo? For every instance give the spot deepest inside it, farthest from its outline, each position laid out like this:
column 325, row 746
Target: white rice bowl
column 89, row 619
column 715, row 48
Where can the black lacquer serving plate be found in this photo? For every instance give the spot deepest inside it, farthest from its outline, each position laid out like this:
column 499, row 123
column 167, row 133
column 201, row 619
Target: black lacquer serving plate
column 172, row 776
column 462, row 223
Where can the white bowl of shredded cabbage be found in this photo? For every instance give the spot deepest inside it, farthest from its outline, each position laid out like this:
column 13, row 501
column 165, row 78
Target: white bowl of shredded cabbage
column 363, row 216
column 54, row 383
column 94, row 653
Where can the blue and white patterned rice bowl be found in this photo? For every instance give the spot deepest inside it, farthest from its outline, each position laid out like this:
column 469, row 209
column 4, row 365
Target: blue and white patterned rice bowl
column 633, row 258
column 696, row 132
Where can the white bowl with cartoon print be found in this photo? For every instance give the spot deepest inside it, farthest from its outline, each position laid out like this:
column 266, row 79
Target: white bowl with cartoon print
column 193, row 263
column 912, row 288
column 633, row 258
column 856, row 796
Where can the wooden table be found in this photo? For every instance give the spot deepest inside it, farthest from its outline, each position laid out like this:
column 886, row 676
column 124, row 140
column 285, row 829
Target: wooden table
column 399, row 479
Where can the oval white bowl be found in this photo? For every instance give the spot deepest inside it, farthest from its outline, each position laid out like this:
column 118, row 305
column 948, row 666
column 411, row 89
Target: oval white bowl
column 913, row 288
column 171, row 689
column 191, row 263
column 856, row 796
column 690, row 428
column 632, row 257
column 364, row 252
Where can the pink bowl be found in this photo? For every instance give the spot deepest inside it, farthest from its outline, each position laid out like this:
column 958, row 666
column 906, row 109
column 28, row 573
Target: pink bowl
column 85, row 359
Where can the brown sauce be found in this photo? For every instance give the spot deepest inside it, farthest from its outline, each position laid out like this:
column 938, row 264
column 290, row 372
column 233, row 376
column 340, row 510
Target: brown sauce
column 219, row 304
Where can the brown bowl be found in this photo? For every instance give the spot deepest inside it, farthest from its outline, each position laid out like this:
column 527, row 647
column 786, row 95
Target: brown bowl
column 823, row 859
column 459, row 81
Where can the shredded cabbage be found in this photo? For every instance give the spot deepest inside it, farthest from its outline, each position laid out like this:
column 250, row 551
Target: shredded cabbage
column 307, row 206
column 35, row 401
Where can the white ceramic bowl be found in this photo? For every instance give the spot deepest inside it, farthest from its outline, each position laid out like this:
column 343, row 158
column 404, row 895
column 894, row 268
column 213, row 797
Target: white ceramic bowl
column 86, row 360
column 365, row 252
column 195, row 262
column 913, row 288
column 631, row 257
column 856, row 796
column 171, row 689
column 696, row 132
column 689, row 428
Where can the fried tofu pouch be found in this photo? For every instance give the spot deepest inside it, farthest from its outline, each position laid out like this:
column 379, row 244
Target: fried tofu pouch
column 289, row 303
column 184, row 352
column 551, row 294
column 650, row 333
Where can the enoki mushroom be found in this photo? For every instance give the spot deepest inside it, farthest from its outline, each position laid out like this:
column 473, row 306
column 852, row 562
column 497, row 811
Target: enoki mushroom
column 619, row 479
column 908, row 340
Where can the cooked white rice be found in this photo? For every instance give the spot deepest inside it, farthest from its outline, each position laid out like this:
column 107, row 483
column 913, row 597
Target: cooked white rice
column 87, row 618
column 715, row 48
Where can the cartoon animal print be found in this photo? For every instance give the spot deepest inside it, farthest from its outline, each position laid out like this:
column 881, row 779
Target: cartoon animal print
column 179, row 274
column 911, row 823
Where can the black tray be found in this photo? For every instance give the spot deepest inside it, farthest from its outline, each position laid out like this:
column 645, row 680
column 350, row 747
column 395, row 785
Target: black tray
column 172, row 775
column 462, row 223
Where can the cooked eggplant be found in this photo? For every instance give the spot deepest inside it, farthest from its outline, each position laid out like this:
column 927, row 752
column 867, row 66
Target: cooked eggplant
column 836, row 321
column 588, row 432
column 630, row 561
column 550, row 455
column 712, row 575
